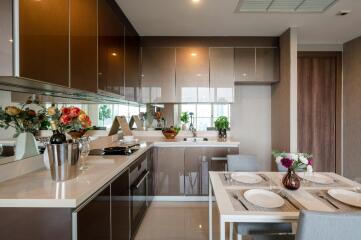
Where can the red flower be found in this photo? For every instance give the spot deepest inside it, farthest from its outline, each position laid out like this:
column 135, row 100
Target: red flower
column 310, row 161
column 74, row 112
column 65, row 119
column 65, row 111
column 287, row 162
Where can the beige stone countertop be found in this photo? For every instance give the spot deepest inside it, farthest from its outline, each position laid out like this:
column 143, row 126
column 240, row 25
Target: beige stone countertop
column 37, row 189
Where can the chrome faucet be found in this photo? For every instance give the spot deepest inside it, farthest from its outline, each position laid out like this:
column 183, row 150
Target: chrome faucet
column 191, row 126
column 194, row 132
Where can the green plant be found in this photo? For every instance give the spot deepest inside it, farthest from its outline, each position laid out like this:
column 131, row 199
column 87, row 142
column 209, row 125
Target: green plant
column 221, row 123
column 104, row 113
column 184, row 117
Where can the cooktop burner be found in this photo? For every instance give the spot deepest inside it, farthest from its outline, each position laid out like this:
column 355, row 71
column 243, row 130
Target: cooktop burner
column 120, row 150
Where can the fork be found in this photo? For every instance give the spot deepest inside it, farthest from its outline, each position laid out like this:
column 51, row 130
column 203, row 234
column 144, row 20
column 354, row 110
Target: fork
column 328, row 200
column 239, row 200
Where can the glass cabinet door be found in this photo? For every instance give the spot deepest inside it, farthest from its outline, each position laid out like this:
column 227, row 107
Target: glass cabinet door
column 192, row 75
column 44, row 40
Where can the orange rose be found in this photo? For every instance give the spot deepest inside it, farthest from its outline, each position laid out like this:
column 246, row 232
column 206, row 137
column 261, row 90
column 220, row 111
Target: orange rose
column 12, row 111
column 82, row 117
column 74, row 112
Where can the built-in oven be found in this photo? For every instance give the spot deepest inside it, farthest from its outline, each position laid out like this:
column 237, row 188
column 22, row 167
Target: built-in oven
column 139, row 191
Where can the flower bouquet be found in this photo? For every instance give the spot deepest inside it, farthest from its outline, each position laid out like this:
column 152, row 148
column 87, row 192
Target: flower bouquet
column 72, row 120
column 293, row 162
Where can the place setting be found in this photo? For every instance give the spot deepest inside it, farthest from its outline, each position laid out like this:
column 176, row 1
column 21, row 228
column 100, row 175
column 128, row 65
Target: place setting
column 263, row 200
column 244, row 179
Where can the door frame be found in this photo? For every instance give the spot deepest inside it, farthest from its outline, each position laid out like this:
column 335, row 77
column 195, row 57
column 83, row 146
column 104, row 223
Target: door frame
column 338, row 94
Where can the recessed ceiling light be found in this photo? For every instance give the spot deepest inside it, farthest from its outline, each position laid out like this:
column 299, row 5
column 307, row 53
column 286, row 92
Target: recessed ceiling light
column 114, row 54
column 193, row 54
column 343, row 12
column 195, row 1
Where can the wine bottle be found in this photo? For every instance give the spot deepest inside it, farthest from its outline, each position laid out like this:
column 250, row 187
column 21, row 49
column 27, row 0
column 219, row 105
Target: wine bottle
column 57, row 137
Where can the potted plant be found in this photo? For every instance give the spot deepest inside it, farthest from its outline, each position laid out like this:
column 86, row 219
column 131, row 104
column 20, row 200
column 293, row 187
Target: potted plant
column 104, row 113
column 184, row 118
column 222, row 124
column 293, row 162
column 26, row 122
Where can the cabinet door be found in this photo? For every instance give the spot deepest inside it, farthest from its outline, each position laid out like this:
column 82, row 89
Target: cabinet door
column 132, row 65
column 6, row 38
column 221, row 74
column 169, row 171
column 196, row 171
column 158, row 75
column 110, row 47
column 192, row 75
column 83, row 44
column 44, row 40
column 93, row 221
column 245, row 64
column 120, row 206
column 151, row 178
column 219, row 157
column 267, row 65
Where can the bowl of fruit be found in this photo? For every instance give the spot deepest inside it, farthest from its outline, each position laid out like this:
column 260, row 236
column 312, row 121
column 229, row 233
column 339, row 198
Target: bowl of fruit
column 171, row 132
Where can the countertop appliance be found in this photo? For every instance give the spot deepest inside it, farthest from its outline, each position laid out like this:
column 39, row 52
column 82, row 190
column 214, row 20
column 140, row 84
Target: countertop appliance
column 118, row 150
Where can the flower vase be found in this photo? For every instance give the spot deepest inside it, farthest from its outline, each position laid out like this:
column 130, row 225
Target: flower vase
column 25, row 146
column 222, row 134
column 291, row 180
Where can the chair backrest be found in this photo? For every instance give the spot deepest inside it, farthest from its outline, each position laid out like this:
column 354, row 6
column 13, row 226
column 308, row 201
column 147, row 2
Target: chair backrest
column 242, row 163
column 330, row 226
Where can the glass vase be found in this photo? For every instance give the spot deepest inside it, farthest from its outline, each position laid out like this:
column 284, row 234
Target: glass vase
column 291, row 180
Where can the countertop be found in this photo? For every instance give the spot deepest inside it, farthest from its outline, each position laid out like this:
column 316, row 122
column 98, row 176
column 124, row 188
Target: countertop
column 37, row 189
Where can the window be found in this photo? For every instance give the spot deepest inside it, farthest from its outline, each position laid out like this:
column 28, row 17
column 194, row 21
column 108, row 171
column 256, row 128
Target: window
column 204, row 115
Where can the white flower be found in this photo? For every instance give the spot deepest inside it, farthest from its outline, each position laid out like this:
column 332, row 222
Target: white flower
column 293, row 156
column 278, row 159
column 303, row 160
column 309, row 169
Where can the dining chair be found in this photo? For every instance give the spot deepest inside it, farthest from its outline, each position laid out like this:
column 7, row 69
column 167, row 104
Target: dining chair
column 248, row 163
column 323, row 226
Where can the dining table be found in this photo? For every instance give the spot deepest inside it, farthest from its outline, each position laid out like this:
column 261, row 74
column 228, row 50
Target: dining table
column 236, row 194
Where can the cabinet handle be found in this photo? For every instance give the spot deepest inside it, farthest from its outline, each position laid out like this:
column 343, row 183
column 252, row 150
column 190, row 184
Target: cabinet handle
column 145, row 174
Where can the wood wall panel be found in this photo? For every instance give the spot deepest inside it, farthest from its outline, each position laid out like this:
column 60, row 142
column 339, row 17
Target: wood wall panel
column 317, row 84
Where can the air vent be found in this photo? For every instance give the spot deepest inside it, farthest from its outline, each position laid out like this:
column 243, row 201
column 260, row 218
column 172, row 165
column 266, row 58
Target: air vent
column 301, row 6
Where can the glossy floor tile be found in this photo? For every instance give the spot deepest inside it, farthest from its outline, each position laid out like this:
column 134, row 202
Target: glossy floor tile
column 178, row 221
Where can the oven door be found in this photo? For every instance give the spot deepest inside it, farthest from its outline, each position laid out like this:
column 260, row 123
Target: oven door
column 139, row 200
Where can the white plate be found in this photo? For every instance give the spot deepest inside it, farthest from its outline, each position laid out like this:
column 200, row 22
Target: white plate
column 264, row 198
column 249, row 178
column 346, row 196
column 316, row 178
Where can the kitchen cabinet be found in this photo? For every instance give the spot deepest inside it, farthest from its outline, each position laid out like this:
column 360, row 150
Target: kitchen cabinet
column 120, row 207
column 83, row 45
column 218, row 160
column 93, row 220
column 110, row 48
column 256, row 65
column 196, row 161
column 158, row 75
column 44, row 41
column 169, row 171
column 221, row 71
column 192, row 75
column 6, row 38
column 132, row 65
column 151, row 178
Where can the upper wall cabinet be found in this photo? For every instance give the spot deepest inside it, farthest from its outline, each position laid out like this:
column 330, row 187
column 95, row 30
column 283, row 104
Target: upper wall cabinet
column 192, row 75
column 44, row 41
column 158, row 75
column 256, row 65
column 221, row 71
column 83, row 45
column 132, row 63
column 6, row 38
column 111, row 48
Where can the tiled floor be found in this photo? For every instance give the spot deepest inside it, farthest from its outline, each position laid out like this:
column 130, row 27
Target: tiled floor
column 178, row 221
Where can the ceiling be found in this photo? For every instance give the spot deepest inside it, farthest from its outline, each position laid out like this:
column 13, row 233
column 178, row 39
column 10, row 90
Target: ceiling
column 218, row 18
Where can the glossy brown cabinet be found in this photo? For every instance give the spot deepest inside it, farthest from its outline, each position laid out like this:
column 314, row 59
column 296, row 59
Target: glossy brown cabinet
column 6, row 38
column 158, row 75
column 44, row 40
column 221, row 69
column 169, row 171
column 256, row 65
column 192, row 74
column 132, row 66
column 218, row 160
column 83, row 45
column 110, row 48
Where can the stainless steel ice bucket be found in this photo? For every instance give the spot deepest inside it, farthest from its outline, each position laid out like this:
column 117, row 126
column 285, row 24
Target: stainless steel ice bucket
column 63, row 160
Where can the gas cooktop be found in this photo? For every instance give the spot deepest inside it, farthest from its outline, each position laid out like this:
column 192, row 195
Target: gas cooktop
column 119, row 150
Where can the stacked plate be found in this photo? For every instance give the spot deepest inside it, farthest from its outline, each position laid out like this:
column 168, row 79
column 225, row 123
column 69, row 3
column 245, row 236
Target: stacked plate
column 264, row 198
column 248, row 178
column 346, row 196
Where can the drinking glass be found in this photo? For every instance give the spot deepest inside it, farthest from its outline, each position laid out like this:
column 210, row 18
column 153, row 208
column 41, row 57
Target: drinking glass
column 84, row 152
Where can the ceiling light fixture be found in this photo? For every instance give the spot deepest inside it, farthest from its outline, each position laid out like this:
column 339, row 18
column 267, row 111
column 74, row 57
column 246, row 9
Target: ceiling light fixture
column 343, row 12
column 114, row 54
column 195, row 1
column 193, row 54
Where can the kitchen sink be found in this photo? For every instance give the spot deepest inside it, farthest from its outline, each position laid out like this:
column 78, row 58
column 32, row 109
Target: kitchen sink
column 195, row 139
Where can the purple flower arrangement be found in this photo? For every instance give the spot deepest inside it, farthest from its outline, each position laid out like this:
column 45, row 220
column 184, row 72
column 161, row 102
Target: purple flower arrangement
column 294, row 161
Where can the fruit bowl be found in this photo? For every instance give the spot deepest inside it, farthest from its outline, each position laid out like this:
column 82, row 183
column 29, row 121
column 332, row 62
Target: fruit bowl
column 171, row 132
